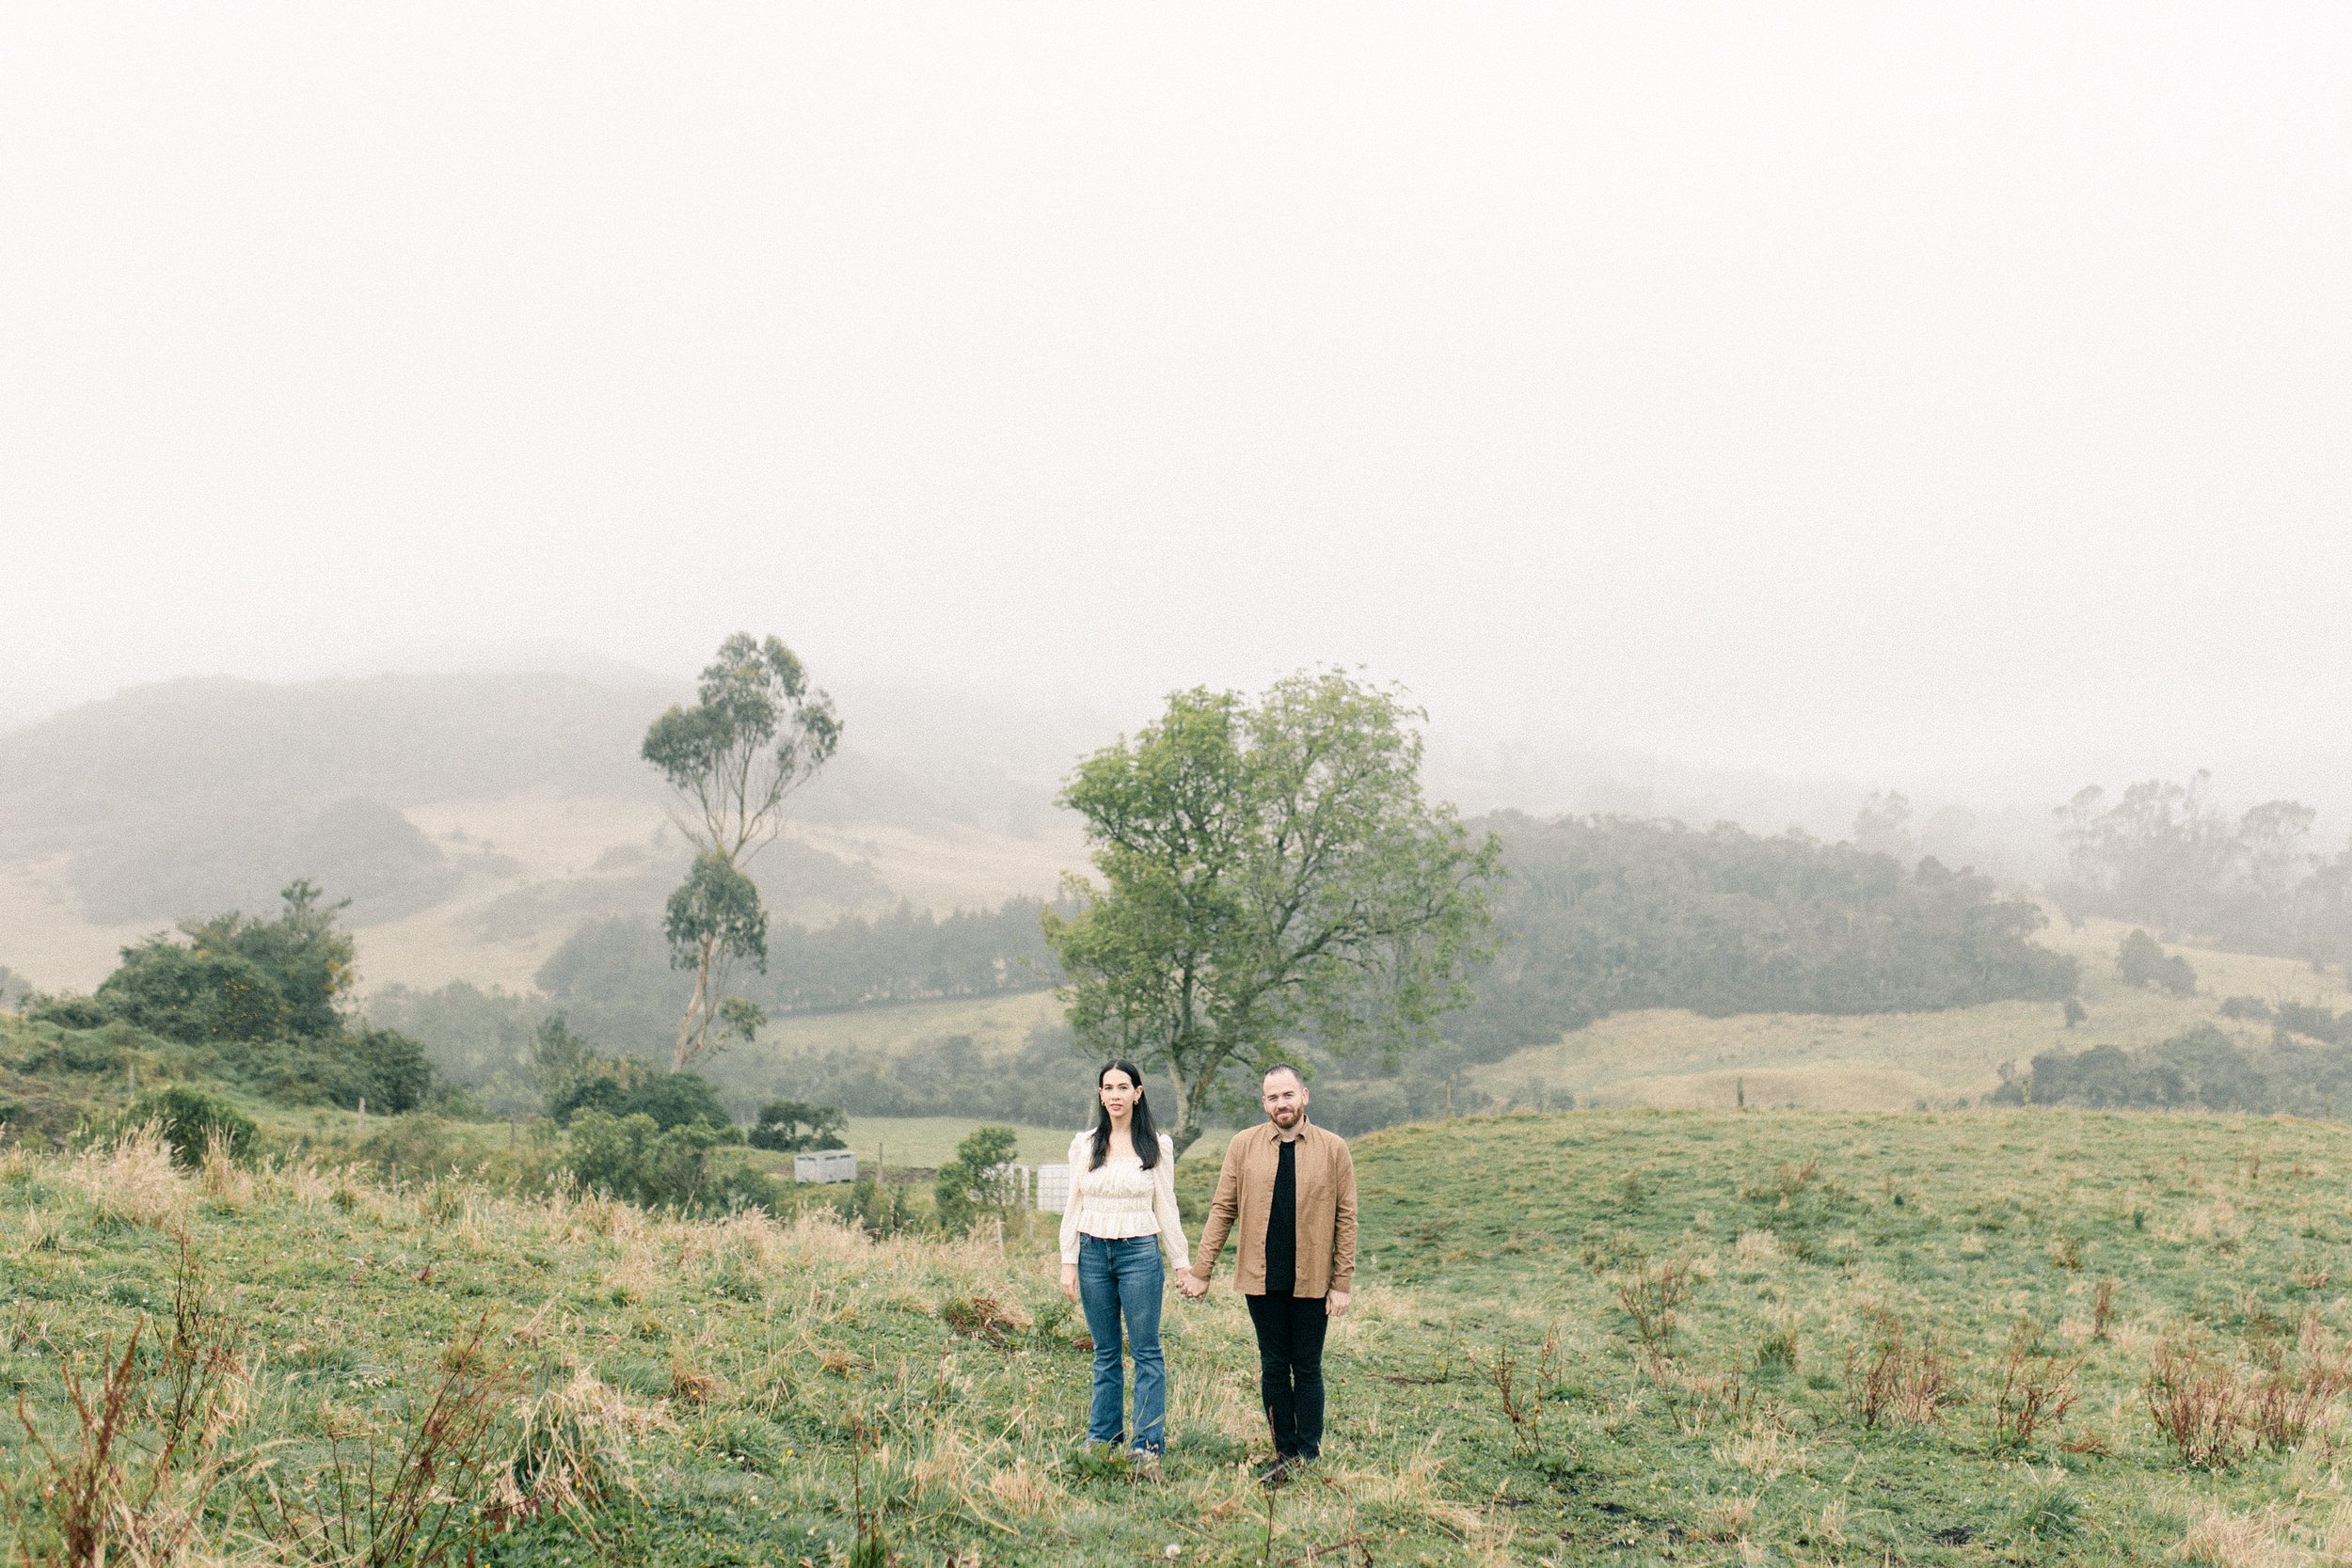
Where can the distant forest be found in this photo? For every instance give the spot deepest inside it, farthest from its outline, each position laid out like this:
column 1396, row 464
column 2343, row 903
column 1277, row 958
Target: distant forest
column 612, row 981
column 1603, row 914
column 2163, row 855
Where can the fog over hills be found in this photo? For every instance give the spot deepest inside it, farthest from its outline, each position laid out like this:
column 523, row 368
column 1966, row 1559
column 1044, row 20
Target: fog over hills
column 475, row 817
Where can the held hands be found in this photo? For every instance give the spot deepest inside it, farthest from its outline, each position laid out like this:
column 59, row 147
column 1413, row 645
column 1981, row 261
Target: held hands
column 1335, row 1304
column 1192, row 1285
column 1070, row 1280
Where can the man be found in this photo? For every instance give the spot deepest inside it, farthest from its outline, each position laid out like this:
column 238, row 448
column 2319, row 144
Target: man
column 1290, row 1188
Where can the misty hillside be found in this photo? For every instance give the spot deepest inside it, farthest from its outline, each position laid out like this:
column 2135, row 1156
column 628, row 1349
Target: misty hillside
column 477, row 819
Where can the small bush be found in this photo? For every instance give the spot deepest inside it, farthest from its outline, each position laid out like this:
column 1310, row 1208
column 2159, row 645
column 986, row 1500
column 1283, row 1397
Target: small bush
column 977, row 1180
column 2140, row 961
column 189, row 1119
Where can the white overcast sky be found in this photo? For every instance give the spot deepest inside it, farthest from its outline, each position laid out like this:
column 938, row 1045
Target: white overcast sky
column 1875, row 391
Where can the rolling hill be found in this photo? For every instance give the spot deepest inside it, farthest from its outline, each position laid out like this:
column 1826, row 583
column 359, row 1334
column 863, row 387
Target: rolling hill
column 476, row 819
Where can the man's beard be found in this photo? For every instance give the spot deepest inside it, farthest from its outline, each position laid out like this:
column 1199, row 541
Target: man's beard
column 1284, row 1119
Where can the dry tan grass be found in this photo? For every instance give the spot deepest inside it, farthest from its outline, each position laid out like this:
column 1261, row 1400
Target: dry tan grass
column 1026, row 1491
column 573, row 1450
column 228, row 1185
column 1726, row 1519
column 132, row 1179
column 1764, row 1450
column 631, row 1279
column 2216, row 1538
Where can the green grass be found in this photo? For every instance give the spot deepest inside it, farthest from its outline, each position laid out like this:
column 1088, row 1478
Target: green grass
column 994, row 1023
column 1883, row 1061
column 769, row 1374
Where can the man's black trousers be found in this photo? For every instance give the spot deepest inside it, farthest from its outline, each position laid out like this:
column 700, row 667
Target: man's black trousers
column 1290, row 1369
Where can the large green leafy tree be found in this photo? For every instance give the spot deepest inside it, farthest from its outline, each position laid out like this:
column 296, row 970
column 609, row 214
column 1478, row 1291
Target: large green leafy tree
column 1269, row 871
column 757, row 731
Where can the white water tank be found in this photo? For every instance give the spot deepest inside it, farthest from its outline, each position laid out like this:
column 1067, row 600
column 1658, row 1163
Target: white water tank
column 826, row 1165
column 1053, row 1188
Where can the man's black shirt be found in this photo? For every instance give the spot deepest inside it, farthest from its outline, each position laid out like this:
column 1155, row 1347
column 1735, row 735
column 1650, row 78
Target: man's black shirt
column 1281, row 1224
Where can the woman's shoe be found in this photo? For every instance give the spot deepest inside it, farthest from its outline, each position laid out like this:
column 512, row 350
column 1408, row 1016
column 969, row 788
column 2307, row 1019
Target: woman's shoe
column 1145, row 1463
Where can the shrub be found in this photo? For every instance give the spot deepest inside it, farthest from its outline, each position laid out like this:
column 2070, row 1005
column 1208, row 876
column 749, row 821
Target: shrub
column 2301, row 1018
column 2141, row 962
column 2245, row 1008
column 976, row 1181
column 190, row 1119
column 791, row 1126
column 634, row 1157
column 631, row 1087
column 2204, row 1067
column 382, row 1067
column 193, row 996
column 67, row 1011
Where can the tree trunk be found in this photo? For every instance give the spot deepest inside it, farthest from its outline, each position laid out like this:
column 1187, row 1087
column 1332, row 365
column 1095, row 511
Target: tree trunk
column 694, row 1026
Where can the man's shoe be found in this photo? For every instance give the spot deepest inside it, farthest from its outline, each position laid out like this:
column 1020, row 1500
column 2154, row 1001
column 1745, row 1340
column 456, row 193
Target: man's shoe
column 1277, row 1473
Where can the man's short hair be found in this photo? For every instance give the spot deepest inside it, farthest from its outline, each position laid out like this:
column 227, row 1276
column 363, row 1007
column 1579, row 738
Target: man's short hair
column 1284, row 1067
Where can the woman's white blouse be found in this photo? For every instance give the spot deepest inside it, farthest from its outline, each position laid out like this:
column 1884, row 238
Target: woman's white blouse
column 1122, row 1200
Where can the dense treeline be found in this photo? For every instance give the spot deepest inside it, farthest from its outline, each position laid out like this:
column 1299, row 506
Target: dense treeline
column 1605, row 914
column 2304, row 1069
column 613, row 982
column 2163, row 854
column 617, row 971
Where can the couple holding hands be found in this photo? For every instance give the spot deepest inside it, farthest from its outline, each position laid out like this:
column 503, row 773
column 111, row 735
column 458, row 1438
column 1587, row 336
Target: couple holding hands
column 1287, row 1194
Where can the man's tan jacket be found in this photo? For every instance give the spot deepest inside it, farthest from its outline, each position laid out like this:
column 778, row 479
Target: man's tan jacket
column 1327, row 1210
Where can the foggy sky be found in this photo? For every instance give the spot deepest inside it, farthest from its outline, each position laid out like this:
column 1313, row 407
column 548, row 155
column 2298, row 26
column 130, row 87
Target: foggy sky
column 1883, row 392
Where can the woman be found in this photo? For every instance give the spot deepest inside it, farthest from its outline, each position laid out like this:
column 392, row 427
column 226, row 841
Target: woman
column 1121, row 1211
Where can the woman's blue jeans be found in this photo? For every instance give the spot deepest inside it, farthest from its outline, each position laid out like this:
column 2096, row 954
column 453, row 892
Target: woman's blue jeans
column 1117, row 1280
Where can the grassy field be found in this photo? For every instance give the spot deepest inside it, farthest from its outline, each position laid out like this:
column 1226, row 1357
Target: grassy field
column 994, row 1023
column 1885, row 1061
column 1603, row 1336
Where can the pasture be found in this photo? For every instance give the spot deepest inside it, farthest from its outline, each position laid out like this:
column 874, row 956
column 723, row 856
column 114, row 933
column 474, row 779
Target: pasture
column 1602, row 1336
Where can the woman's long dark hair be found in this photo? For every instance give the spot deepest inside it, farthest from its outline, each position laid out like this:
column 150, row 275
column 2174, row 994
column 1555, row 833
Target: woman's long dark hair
column 1145, row 1136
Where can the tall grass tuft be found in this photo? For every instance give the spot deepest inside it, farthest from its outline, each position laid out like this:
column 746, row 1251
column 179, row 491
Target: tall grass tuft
column 1649, row 1296
column 2036, row 1388
column 2198, row 1404
column 413, row 1493
column 1888, row 1378
column 147, row 1445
